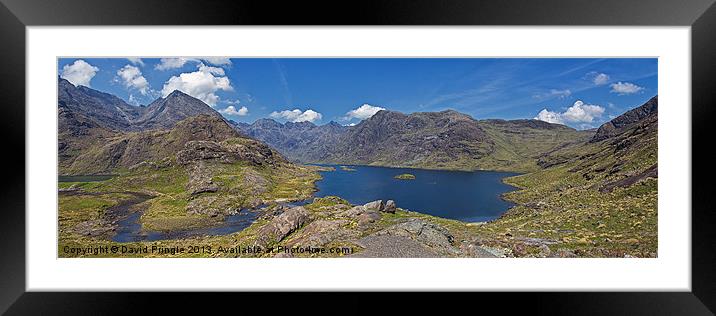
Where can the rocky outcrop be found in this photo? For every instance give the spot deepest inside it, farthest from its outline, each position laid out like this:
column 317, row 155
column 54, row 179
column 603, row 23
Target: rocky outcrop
column 283, row 225
column 245, row 150
column 321, row 232
column 200, row 180
column 387, row 246
column 414, row 238
column 369, row 212
column 428, row 233
column 651, row 172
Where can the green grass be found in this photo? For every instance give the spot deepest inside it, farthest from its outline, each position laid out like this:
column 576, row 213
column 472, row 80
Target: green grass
column 405, row 176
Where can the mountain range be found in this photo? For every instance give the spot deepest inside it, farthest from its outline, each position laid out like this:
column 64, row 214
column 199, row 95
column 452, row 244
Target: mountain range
column 94, row 126
column 431, row 140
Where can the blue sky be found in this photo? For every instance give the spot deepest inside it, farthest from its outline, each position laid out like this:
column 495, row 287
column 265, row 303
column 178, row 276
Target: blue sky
column 578, row 92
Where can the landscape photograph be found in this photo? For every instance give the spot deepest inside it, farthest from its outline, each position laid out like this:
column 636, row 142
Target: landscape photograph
column 222, row 157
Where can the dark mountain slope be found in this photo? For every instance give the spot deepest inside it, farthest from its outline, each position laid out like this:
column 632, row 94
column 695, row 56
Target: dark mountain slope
column 624, row 122
column 104, row 109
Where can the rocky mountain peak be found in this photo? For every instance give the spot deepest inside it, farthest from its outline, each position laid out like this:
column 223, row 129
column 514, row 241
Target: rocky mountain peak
column 164, row 112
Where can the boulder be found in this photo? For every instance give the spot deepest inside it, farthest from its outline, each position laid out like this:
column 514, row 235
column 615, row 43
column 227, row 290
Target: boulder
column 353, row 211
column 282, row 226
column 389, row 207
column 368, row 217
column 321, row 232
column 375, row 206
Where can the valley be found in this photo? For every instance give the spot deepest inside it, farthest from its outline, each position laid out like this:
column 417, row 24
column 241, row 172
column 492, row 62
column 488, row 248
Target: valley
column 183, row 176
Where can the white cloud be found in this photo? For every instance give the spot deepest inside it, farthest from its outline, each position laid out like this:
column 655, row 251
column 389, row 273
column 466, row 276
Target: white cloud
column 582, row 113
column 579, row 112
column 297, row 115
column 231, row 110
column 218, row 61
column 600, row 79
column 363, row 112
column 172, row 63
column 201, row 84
column 132, row 78
column 549, row 116
column 79, row 73
column 623, row 88
column 597, row 78
column 136, row 61
column 562, row 94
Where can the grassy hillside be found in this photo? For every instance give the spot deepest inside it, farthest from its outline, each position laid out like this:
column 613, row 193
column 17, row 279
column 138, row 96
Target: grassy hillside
column 598, row 199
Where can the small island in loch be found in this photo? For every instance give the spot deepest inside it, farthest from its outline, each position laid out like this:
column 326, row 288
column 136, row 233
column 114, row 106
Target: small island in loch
column 405, row 176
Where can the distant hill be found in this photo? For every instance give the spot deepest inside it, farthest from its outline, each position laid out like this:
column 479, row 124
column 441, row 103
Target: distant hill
column 302, row 141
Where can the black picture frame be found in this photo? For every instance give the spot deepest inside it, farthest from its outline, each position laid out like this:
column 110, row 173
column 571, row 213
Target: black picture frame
column 15, row 15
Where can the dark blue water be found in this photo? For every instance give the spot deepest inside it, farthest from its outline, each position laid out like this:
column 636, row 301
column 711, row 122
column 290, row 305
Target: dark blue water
column 465, row 196
column 130, row 230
